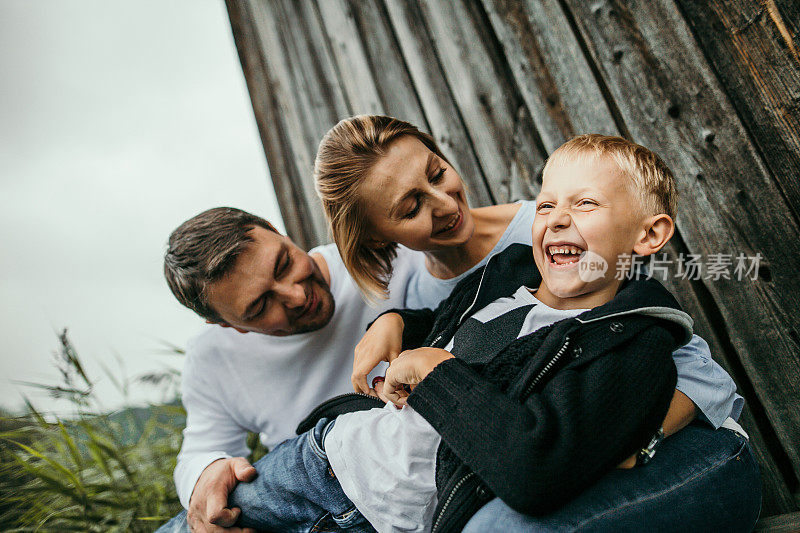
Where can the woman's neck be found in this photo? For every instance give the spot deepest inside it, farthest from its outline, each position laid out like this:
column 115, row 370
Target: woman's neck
column 450, row 262
column 490, row 223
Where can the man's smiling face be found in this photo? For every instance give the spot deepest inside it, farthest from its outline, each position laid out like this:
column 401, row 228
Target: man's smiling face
column 586, row 211
column 274, row 288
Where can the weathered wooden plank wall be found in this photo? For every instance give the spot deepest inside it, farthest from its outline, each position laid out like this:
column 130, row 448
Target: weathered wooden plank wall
column 712, row 86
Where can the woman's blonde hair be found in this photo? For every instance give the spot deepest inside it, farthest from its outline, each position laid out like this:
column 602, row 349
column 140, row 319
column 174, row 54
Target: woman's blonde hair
column 346, row 154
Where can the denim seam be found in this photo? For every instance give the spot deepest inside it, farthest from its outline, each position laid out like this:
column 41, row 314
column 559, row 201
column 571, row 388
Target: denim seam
column 315, row 447
column 714, row 466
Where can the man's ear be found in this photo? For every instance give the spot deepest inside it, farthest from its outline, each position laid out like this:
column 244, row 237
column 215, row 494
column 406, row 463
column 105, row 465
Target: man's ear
column 224, row 324
column 657, row 230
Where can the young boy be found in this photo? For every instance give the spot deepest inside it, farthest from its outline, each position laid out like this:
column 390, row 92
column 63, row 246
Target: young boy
column 534, row 379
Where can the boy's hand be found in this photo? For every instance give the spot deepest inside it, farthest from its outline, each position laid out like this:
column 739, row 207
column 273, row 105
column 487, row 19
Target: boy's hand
column 409, row 368
column 383, row 341
column 630, row 462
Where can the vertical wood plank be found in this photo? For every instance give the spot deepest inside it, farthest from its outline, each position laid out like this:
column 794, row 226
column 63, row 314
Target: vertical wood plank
column 761, row 75
column 777, row 496
column 266, row 107
column 550, row 70
column 544, row 25
column 373, row 71
column 789, row 12
column 389, row 70
column 307, row 99
column 500, row 83
column 353, row 68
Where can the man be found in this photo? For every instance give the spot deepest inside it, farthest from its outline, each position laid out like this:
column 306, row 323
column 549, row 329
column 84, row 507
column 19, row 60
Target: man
column 302, row 316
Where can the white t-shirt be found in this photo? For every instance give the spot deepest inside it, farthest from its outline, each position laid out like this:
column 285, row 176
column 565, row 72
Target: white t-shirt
column 233, row 382
column 385, row 459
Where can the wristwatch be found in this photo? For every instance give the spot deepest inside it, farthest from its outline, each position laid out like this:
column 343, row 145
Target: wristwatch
column 646, row 454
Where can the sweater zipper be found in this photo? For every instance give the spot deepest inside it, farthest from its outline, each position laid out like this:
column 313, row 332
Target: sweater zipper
column 450, row 499
column 547, row 368
column 478, row 292
column 474, row 300
column 347, row 394
column 542, row 373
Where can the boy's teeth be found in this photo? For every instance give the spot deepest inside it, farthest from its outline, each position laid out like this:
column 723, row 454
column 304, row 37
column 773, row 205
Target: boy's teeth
column 563, row 259
column 565, row 250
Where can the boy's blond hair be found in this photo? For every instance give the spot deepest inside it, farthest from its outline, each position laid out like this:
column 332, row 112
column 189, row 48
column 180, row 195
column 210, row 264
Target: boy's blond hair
column 653, row 181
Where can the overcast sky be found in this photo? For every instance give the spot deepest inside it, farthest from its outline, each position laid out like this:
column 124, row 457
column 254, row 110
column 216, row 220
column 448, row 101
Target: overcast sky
column 118, row 120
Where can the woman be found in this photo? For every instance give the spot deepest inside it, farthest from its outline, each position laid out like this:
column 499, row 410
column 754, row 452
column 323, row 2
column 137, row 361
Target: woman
column 383, row 183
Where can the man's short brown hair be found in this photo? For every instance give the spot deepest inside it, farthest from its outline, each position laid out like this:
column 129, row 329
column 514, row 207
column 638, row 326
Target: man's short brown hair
column 202, row 250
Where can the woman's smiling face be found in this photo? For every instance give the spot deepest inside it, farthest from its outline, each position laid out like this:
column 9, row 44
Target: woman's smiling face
column 414, row 198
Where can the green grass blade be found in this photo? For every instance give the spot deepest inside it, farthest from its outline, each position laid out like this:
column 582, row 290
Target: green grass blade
column 55, row 464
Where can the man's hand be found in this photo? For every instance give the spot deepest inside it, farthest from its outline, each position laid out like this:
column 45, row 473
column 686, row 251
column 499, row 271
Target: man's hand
column 409, row 368
column 208, row 510
column 383, row 341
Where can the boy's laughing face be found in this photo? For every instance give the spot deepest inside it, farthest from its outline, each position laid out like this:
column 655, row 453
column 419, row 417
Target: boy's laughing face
column 586, row 218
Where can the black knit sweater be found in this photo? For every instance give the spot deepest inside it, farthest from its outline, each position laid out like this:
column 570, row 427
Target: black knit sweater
column 532, row 431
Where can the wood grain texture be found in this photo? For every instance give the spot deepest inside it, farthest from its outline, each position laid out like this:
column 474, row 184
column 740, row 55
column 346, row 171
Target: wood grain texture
column 751, row 50
column 354, row 71
column 550, row 70
column 266, row 107
column 789, row 12
column 306, row 98
column 787, row 523
column 671, row 102
column 558, row 52
column 314, row 97
column 386, row 63
column 777, row 496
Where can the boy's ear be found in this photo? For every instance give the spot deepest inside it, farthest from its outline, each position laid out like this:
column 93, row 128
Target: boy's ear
column 224, row 324
column 657, row 230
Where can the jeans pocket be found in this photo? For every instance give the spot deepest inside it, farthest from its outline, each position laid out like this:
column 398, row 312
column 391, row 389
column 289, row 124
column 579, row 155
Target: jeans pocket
column 348, row 518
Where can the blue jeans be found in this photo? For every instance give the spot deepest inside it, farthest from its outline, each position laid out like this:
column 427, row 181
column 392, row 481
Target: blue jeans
column 295, row 492
column 699, row 480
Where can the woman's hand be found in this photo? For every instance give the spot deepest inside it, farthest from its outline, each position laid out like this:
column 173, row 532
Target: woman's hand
column 409, row 368
column 383, row 341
